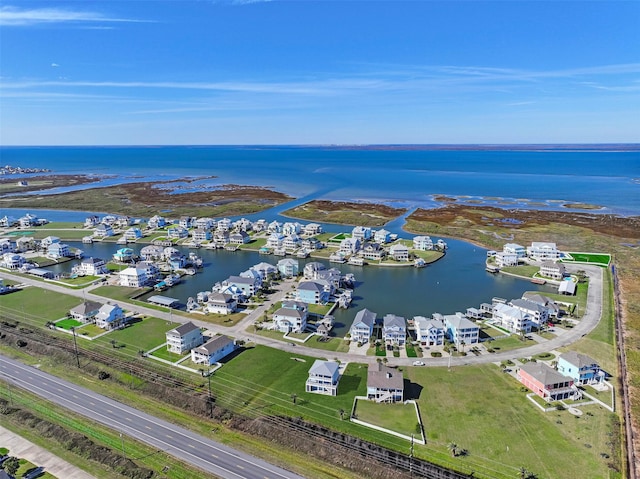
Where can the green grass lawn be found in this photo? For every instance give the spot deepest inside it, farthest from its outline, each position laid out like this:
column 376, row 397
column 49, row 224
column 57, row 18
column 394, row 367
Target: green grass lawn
column 68, row 323
column 90, row 331
column 474, row 406
column 399, row 417
column 143, row 335
column 523, row 270
column 603, row 259
column 219, row 319
column 81, row 281
column 163, row 353
column 333, row 344
column 319, row 309
column 507, row 344
column 36, row 306
column 64, row 235
column 119, row 293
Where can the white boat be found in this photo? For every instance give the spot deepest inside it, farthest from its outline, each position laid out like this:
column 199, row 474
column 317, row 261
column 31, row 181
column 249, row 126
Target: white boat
column 419, row 263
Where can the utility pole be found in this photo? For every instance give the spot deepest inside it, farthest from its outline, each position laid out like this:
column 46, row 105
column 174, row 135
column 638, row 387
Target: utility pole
column 75, row 345
column 411, row 458
column 124, row 454
column 210, row 399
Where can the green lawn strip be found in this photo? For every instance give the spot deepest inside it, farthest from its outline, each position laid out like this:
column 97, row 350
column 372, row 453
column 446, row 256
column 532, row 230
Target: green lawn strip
column 507, row 344
column 62, row 225
column 164, row 353
column 63, row 234
column 319, row 309
column 473, row 406
column 36, row 305
column 143, row 455
column 26, row 466
column 89, row 330
column 602, row 259
column 333, row 344
column 219, row 319
column 526, row 271
column 142, row 335
column 398, row 417
column 428, row 256
column 80, row 280
column 68, row 324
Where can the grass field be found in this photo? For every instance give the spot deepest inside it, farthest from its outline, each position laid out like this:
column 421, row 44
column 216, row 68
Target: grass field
column 603, row 259
column 37, row 305
column 143, row 335
column 68, row 324
column 399, row 417
column 163, row 353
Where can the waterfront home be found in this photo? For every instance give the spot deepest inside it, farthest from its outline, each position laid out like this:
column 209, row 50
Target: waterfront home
column 200, row 235
column 259, row 225
column 275, row 240
column 58, row 250
column 91, row 267
column 552, row 270
column 243, row 224
column 177, row 232
column 313, row 292
column 382, row 236
column 265, row 270
column 222, row 237
column 384, row 384
column 541, row 251
column 331, row 276
column 514, row 248
column 132, row 234
column 231, row 289
column 394, row 330
column 91, row 221
column 150, row 270
column 133, row 277
column 539, row 314
column 547, row 383
column 7, row 246
column 581, row 368
column 184, row 338
column 423, row 243
column 186, row 222
column 291, row 317
column 399, row 252
column 459, row 329
column 213, row 350
column 253, row 274
column 362, row 233
column 28, row 220
column 362, row 327
column 86, row 311
column 249, row 286
column 514, row 319
column 241, row 237
column 109, row 220
column 123, row 255
column 103, row 230
column 311, row 268
column 48, row 241
column 503, row 259
column 156, row 222
column 124, row 221
column 219, row 303
column 323, row 378
column 291, row 242
column 372, row 251
column 223, row 224
column 12, row 261
column 311, row 244
column 429, row 332
column 25, row 243
column 312, row 229
column 567, row 287
column 110, row 316
column 291, row 228
column 170, row 252
column 8, row 221
column 151, row 252
column 274, row 227
column 350, row 246
column 288, row 267
column 552, row 308
column 204, row 223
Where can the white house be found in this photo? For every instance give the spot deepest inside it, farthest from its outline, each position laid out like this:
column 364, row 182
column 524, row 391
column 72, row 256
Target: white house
column 399, row 252
column 422, row 243
column 85, row 311
column 539, row 314
column 291, row 317
column 460, row 329
column 323, row 378
column 429, row 332
column 541, row 251
column 132, row 234
column 362, row 326
column 350, row 245
column 394, row 330
column 288, row 267
column 275, row 240
column 91, row 267
column 220, row 303
column 213, row 350
column 362, row 233
column 58, row 250
column 514, row 248
column 109, row 316
column 506, row 259
column 513, row 319
column 133, row 277
column 382, row 236
column 552, row 270
column 184, row 338
column 103, row 230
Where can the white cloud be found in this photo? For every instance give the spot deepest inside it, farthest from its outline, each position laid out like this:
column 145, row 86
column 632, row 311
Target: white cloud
column 15, row 16
column 55, row 65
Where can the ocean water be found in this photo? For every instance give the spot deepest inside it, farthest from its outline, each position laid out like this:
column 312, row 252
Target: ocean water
column 411, row 178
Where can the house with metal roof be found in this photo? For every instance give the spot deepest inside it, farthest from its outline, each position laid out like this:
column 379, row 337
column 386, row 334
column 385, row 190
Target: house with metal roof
column 110, row 316
column 85, row 311
column 362, row 326
column 461, row 329
column 220, row 303
column 581, row 368
column 547, row 383
column 394, row 330
column 213, row 350
column 184, row 338
column 384, row 384
column 323, row 378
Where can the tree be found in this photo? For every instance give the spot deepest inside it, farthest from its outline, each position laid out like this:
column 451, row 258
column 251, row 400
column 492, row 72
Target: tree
column 341, row 414
column 11, row 465
column 453, row 449
column 294, row 397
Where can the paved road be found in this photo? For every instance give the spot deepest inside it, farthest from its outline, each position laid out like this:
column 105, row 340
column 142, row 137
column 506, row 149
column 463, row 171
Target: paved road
column 187, row 446
column 590, row 319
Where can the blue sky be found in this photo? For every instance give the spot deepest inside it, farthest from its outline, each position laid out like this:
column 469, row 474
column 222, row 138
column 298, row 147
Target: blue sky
column 311, row 72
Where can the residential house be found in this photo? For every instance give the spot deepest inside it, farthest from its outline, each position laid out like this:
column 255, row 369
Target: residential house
column 133, row 277
column 514, row 319
column 184, row 338
column 219, row 303
column 91, row 267
column 382, row 236
column 291, row 317
column 291, row 228
column 506, row 259
column 224, row 224
column 25, row 243
column 103, row 230
column 581, row 368
column 156, row 222
column 186, row 222
column 132, row 234
column 331, row 276
column 150, row 269
column 265, row 270
column 384, row 384
column 372, row 251
column 200, row 235
column 249, row 286
column 399, row 252
column 313, row 292
column 110, row 316
column 541, row 251
column 86, row 311
column 124, row 221
column 91, row 221
column 259, row 225
column 7, row 221
column 429, row 332
column 288, row 267
column 7, row 246
column 552, row 270
column 567, row 287
column 28, row 220
column 312, row 229
column 514, row 248
column 553, row 310
column 274, row 227
column 213, row 350
column 243, row 224
column 311, row 268
column 362, row 233
column 539, row 314
column 13, row 261
column 109, row 220
column 204, row 223
column 240, row 237
column 291, row 242
column 350, row 246
column 546, row 382
column 177, row 232
column 58, row 250
column 275, row 240
column 48, row 241
column 460, row 329
column 222, row 237
column 323, row 378
column 123, row 255
column 311, row 244
column 362, row 327
column 422, row 243
column 394, row 330
column 151, row 252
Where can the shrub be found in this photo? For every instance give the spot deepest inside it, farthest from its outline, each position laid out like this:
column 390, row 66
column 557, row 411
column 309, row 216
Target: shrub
column 102, row 375
column 436, row 354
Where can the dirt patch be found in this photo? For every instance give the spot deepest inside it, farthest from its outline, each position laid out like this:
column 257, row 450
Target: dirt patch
column 39, row 183
column 346, row 213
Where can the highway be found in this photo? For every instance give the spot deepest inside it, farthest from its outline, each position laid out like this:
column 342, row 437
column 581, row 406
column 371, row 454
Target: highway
column 189, row 447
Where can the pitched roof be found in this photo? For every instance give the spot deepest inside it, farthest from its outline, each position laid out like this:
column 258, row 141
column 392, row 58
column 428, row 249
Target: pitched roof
column 528, row 305
column 578, row 359
column 214, row 344
column 324, row 368
column 543, row 373
column 365, row 316
column 184, row 328
column 393, row 321
column 86, row 307
column 383, row 377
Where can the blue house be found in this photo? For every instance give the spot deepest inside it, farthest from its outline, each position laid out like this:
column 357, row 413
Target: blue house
column 313, row 292
column 362, row 327
column 460, row 330
column 582, row 368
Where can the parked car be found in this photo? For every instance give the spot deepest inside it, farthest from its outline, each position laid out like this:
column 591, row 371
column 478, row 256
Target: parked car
column 33, row 473
column 418, row 363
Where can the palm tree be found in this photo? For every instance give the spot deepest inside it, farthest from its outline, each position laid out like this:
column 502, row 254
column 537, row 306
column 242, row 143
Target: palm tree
column 341, row 414
column 453, row 449
column 11, row 465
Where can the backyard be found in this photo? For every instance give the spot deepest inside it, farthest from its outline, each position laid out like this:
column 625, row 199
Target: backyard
column 397, row 417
